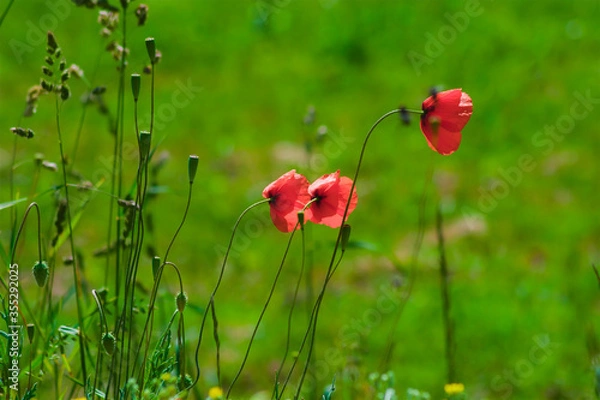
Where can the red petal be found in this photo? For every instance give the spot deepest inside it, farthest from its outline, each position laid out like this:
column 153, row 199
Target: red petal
column 288, row 194
column 328, row 212
column 345, row 186
column 441, row 140
column 453, row 108
column 326, row 189
column 284, row 222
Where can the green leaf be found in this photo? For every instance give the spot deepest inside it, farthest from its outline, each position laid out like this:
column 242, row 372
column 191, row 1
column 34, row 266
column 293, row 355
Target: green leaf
column 12, row 203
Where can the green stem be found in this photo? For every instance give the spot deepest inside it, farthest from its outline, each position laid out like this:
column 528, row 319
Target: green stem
column 445, row 291
column 6, row 10
column 339, row 236
column 76, row 277
column 289, row 322
column 116, row 183
column 262, row 313
column 216, row 288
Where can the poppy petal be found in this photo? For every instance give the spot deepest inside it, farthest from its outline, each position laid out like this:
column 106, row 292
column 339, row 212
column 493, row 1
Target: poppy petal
column 326, row 191
column 345, row 186
column 454, row 108
column 439, row 139
column 288, row 195
column 445, row 115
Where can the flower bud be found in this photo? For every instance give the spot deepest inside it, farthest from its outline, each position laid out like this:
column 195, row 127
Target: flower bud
column 30, row 332
column 404, row 116
column 151, row 48
column 192, row 167
column 181, row 301
column 40, row 273
column 155, row 266
column 136, row 80
column 301, row 218
column 346, row 229
column 109, row 343
column 145, row 141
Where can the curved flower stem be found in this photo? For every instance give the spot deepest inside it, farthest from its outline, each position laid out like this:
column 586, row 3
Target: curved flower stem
column 159, row 274
column 150, row 316
column 289, row 323
column 262, row 313
column 185, row 213
column 22, row 226
column 330, row 270
column 218, row 284
column 314, row 330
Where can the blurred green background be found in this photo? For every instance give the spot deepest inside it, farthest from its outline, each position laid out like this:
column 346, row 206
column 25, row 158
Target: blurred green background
column 519, row 197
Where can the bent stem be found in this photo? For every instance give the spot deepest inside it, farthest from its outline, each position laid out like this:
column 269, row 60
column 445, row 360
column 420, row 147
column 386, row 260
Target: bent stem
column 217, row 285
column 289, row 322
column 330, row 270
column 262, row 313
column 150, row 317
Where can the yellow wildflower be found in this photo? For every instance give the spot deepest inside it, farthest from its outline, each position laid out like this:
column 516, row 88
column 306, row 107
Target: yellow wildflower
column 454, row 388
column 215, row 393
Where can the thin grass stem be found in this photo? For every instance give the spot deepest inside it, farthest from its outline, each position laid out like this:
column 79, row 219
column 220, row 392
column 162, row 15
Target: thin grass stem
column 262, row 313
column 217, row 285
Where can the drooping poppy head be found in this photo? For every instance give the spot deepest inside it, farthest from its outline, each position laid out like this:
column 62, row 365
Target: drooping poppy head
column 287, row 195
column 330, row 195
column 445, row 115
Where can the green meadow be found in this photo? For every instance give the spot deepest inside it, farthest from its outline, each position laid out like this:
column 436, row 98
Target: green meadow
column 234, row 84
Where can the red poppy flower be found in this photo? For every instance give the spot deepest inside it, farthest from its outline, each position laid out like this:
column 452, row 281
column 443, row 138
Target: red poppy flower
column 287, row 195
column 445, row 114
column 330, row 194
